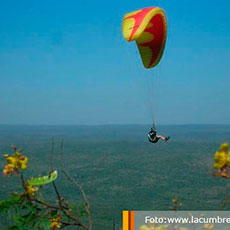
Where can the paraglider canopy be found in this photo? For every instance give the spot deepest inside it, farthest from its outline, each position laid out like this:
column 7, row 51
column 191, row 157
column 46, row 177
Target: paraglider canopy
column 148, row 27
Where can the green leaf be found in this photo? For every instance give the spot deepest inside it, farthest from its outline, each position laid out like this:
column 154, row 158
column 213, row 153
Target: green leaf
column 13, row 227
column 6, row 204
column 53, row 213
column 81, row 207
column 82, row 210
column 44, row 179
column 83, row 213
column 43, row 223
column 18, row 220
column 32, row 207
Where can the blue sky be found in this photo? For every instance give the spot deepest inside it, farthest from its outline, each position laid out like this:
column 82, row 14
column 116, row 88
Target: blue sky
column 65, row 62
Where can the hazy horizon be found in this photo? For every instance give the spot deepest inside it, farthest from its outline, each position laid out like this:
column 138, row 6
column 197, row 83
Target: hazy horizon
column 118, row 124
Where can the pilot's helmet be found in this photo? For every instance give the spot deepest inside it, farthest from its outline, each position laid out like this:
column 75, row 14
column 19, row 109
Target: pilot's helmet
column 153, row 129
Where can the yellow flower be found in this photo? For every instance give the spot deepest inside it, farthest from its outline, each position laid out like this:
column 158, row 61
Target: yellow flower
column 11, row 160
column 15, row 163
column 8, row 169
column 17, row 154
column 55, row 223
column 175, row 199
column 222, row 157
column 23, row 162
column 224, row 147
column 144, row 227
column 162, row 227
column 208, row 226
column 149, row 227
column 154, row 227
column 31, row 190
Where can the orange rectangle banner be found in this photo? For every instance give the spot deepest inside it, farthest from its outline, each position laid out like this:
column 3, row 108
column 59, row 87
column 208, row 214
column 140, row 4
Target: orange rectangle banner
column 128, row 220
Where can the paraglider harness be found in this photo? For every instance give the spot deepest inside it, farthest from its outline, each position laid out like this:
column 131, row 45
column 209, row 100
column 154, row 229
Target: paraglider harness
column 152, row 135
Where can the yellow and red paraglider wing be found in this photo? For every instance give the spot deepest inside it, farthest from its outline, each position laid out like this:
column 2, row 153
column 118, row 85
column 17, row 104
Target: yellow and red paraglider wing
column 148, row 27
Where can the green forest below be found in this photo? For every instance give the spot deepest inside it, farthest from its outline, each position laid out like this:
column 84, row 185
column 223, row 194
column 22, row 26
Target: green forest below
column 120, row 169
